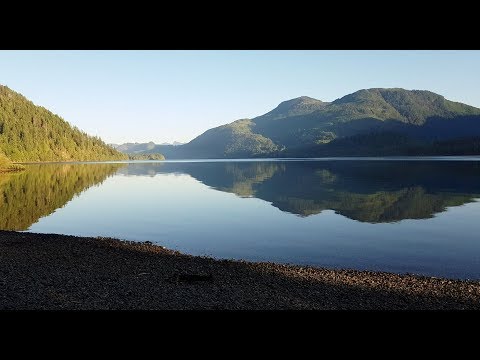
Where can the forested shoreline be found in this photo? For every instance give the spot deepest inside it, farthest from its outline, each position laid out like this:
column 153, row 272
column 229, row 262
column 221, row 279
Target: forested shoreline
column 30, row 133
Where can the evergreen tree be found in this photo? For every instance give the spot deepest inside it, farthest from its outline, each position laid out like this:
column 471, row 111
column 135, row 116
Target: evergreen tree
column 32, row 133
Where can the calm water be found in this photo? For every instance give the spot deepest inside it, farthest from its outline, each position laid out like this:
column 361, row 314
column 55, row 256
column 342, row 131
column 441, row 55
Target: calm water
column 416, row 216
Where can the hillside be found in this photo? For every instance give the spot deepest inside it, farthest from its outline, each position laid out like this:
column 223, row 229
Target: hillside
column 6, row 165
column 32, row 133
column 135, row 148
column 384, row 121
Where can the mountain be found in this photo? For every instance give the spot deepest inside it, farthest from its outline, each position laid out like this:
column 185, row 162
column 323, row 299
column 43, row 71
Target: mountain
column 367, row 122
column 146, row 156
column 133, row 148
column 32, row 133
column 298, row 106
column 136, row 148
column 175, row 143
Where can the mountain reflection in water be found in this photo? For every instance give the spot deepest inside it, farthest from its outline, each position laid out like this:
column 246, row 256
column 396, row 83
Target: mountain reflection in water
column 367, row 191
column 406, row 214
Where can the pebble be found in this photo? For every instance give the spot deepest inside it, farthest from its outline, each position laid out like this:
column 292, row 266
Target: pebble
column 49, row 271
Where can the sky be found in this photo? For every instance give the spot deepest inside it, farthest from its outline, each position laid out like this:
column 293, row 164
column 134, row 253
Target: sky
column 166, row 96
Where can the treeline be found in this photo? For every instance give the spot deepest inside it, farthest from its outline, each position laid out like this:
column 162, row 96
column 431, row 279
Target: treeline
column 32, row 133
column 7, row 166
column 387, row 144
column 146, row 157
column 461, row 146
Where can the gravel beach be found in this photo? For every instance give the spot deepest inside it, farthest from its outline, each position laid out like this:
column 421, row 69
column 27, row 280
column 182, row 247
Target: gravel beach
column 39, row 271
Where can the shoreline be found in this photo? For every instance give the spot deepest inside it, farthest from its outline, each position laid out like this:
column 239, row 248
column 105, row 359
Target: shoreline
column 53, row 271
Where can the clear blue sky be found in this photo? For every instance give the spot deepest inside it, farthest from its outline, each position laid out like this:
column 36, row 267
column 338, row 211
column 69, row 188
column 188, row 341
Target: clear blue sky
column 176, row 95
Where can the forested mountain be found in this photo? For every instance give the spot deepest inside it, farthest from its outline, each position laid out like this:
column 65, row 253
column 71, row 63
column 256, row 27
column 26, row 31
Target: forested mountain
column 367, row 122
column 135, row 148
column 149, row 156
column 32, row 133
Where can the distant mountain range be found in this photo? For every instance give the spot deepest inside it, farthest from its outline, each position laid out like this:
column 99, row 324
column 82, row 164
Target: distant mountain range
column 368, row 122
column 136, row 148
column 32, row 133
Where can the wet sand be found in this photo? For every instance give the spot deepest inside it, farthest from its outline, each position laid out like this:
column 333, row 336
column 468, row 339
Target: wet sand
column 39, row 271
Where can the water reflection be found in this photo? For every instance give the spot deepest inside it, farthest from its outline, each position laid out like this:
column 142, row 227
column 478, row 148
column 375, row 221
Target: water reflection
column 41, row 189
column 244, row 210
column 367, row 191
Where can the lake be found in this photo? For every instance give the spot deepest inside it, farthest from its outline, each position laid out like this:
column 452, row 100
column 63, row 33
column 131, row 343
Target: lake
column 404, row 215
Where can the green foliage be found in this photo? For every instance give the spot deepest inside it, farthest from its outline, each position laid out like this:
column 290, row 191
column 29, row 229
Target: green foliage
column 233, row 140
column 142, row 156
column 412, row 107
column 389, row 144
column 372, row 110
column 7, row 166
column 4, row 161
column 134, row 148
column 460, row 146
column 241, row 140
column 40, row 189
column 295, row 107
column 32, row 133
